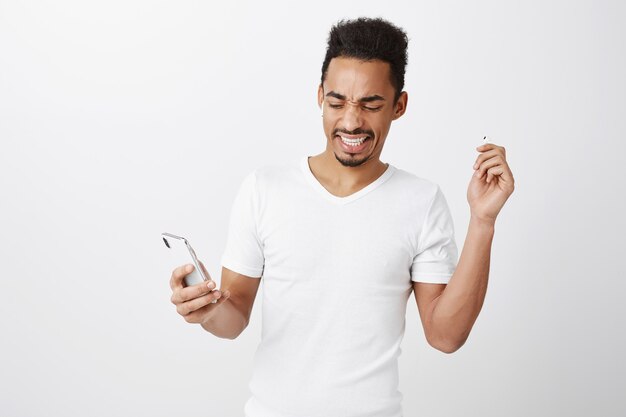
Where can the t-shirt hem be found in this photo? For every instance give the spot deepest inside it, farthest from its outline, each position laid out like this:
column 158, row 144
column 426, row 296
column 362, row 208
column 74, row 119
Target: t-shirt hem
column 244, row 270
column 432, row 278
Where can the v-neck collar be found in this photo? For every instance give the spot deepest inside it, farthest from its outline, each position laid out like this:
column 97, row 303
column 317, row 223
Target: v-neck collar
column 306, row 169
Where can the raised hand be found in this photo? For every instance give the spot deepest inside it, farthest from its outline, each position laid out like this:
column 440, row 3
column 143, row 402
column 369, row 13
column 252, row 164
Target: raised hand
column 492, row 183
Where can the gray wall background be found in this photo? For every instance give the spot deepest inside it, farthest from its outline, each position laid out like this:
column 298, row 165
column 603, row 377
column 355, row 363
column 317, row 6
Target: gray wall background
column 120, row 120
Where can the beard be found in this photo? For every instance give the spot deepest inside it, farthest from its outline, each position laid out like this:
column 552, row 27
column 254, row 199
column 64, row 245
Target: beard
column 350, row 162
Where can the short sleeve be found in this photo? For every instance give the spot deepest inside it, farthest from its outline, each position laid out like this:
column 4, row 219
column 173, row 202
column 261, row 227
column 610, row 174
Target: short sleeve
column 437, row 252
column 244, row 250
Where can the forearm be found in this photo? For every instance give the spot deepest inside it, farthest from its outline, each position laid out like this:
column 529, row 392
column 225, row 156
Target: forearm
column 456, row 309
column 228, row 321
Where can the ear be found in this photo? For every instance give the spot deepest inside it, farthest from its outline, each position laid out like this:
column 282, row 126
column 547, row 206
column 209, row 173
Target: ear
column 400, row 106
column 320, row 95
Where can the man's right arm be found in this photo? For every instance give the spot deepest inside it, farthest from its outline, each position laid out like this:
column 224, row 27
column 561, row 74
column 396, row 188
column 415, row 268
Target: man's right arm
column 224, row 312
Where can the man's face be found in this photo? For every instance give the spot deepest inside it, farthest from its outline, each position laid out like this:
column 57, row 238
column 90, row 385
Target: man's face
column 357, row 104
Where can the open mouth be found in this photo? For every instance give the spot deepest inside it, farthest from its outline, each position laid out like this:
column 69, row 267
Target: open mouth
column 353, row 143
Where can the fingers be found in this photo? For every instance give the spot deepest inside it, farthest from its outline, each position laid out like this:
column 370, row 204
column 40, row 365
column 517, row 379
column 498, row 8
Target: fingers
column 490, row 156
column 492, row 162
column 495, row 171
column 184, row 294
column 196, row 301
column 488, row 151
column 176, row 281
column 490, row 146
column 485, row 166
column 505, row 178
column 190, row 306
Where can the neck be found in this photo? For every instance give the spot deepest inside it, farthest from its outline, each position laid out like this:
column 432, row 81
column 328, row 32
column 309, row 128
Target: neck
column 326, row 167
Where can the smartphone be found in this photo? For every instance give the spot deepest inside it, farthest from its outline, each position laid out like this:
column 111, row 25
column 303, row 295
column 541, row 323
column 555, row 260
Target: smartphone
column 183, row 253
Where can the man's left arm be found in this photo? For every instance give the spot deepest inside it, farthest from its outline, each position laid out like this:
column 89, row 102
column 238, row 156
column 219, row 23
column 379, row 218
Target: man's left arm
column 448, row 311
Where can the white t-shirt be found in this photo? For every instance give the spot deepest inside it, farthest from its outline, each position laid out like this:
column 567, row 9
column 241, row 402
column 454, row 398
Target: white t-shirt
column 337, row 275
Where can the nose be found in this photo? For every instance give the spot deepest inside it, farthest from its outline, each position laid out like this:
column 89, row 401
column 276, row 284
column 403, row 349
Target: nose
column 352, row 119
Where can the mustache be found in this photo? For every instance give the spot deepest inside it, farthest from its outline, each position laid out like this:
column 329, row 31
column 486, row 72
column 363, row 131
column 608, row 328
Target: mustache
column 354, row 132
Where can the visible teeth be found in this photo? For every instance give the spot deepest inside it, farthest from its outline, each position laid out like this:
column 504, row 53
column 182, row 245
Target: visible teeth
column 352, row 142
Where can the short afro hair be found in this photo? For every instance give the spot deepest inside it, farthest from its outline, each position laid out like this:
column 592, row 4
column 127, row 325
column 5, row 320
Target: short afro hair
column 370, row 39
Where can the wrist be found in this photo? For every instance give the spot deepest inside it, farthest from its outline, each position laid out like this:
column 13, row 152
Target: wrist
column 483, row 223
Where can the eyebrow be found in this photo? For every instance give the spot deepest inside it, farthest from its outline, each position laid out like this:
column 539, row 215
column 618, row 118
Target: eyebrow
column 367, row 99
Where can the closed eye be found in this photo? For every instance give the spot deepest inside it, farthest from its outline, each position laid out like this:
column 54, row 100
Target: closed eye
column 338, row 106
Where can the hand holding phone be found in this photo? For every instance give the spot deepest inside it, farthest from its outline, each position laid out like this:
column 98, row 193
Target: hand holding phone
column 193, row 291
column 196, row 303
